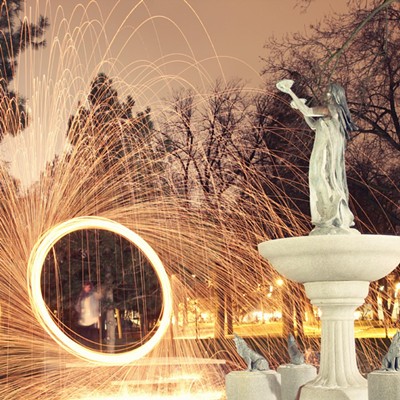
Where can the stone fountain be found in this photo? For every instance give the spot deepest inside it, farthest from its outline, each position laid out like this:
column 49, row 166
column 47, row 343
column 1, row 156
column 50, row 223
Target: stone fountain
column 335, row 262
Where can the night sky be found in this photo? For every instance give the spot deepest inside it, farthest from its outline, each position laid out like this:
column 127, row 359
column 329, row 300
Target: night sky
column 225, row 36
column 149, row 48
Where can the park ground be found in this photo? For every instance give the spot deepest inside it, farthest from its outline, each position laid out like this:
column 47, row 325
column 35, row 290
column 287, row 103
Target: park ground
column 362, row 329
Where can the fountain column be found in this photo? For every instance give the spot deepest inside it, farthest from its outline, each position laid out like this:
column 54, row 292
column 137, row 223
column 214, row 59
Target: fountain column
column 338, row 302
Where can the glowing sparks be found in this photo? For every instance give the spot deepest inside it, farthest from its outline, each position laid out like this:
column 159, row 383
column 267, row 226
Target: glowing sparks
column 35, row 266
column 208, row 250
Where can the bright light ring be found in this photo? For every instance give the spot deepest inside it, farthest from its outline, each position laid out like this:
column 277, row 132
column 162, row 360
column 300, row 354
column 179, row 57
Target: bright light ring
column 39, row 307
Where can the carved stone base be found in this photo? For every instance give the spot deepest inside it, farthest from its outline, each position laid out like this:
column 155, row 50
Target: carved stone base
column 293, row 377
column 384, row 385
column 254, row 385
column 322, row 393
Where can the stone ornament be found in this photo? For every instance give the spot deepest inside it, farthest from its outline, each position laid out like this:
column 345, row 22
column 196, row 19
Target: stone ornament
column 254, row 361
column 391, row 361
column 296, row 356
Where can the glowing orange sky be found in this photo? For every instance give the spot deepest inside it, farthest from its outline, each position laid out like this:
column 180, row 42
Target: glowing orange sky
column 231, row 29
column 149, row 48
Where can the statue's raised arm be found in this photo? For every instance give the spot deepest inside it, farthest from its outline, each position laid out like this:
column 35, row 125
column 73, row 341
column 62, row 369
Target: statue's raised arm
column 297, row 103
column 329, row 196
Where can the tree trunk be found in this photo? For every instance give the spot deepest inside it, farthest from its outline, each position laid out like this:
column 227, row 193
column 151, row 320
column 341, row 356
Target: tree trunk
column 387, row 304
column 110, row 319
column 387, row 314
column 144, row 324
column 176, row 291
column 219, row 325
column 229, row 312
column 184, row 315
column 299, row 315
column 287, row 310
column 374, row 292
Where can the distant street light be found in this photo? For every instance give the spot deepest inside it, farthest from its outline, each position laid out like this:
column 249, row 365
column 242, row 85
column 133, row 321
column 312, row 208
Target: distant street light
column 279, row 282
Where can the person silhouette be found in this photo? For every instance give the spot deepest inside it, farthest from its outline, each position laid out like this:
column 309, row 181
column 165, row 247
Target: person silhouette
column 88, row 310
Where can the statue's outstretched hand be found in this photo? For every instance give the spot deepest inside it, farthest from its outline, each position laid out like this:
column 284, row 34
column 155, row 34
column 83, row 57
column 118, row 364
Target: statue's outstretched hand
column 295, row 104
column 285, row 85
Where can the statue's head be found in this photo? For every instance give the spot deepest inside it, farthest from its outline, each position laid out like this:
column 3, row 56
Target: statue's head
column 335, row 92
column 335, row 95
column 396, row 337
column 238, row 340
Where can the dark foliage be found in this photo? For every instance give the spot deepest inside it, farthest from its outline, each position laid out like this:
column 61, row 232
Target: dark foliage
column 16, row 35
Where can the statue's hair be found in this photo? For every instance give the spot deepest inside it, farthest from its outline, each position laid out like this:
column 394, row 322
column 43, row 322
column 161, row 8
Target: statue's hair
column 339, row 95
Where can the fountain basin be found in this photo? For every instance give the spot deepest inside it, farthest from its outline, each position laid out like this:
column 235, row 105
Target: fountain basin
column 333, row 257
column 336, row 271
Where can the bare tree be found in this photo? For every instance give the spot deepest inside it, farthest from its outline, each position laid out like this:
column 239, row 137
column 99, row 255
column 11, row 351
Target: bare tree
column 200, row 133
column 359, row 50
column 220, row 145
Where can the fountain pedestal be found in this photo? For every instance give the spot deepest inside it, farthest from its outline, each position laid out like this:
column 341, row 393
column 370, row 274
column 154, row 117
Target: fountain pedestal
column 383, row 385
column 253, row 385
column 293, row 377
column 338, row 367
column 336, row 271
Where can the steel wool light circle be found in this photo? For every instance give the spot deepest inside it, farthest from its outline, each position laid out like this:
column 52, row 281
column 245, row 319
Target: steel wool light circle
column 39, row 307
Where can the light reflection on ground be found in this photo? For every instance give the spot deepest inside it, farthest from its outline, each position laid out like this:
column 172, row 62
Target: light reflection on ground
column 214, row 395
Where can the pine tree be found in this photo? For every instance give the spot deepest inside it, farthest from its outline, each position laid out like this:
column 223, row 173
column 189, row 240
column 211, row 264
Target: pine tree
column 107, row 134
column 16, row 35
column 108, row 127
